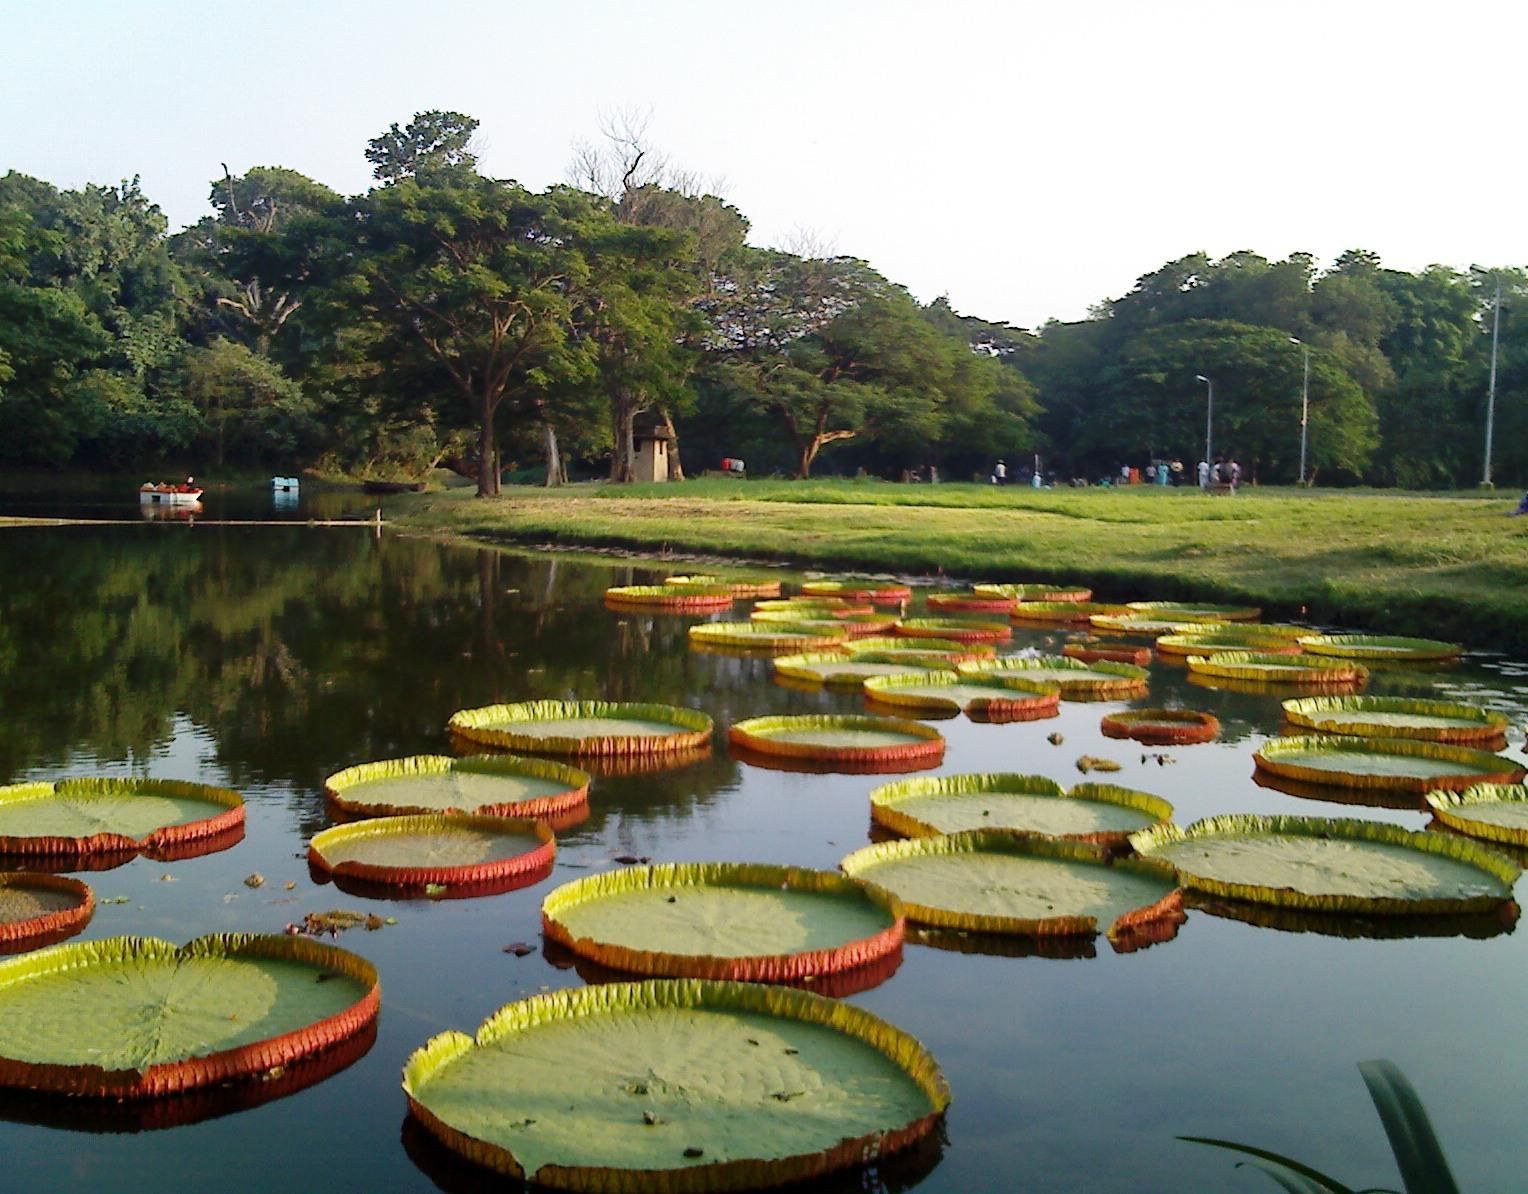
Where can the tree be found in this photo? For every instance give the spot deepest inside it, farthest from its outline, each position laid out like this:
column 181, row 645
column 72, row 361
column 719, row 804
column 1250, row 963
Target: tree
column 432, row 146
column 470, row 283
column 251, row 412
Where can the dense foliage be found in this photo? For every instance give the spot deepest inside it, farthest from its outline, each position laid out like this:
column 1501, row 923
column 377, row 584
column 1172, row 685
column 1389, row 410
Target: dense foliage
column 448, row 317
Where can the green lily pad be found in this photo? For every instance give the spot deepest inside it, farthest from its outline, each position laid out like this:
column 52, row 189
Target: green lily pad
column 1099, row 813
column 1262, row 668
column 1034, row 591
column 1333, row 865
column 1076, row 678
column 734, row 921
column 839, row 738
column 838, row 668
column 1396, row 717
column 675, row 1085
column 584, row 727
column 105, row 816
column 1396, row 764
column 1063, row 611
column 39, row 909
column 766, row 636
column 995, row 696
column 499, row 785
column 1379, row 647
column 1184, row 611
column 1495, row 812
column 992, row 881
column 133, row 1016
column 452, row 849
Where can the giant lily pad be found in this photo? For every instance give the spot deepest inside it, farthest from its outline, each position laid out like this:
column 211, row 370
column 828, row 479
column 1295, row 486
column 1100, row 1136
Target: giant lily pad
column 1034, row 591
column 831, row 623
column 737, row 587
column 1183, row 611
column 1161, row 727
column 736, row 921
column 1495, row 812
column 1260, row 668
column 1391, row 764
column 490, row 785
column 1063, row 611
column 678, row 1085
column 1090, row 650
column 584, row 727
column 1146, row 627
column 814, row 607
column 1097, row 813
column 1078, row 680
column 958, row 630
column 992, row 881
column 127, row 1017
column 918, row 645
column 1220, row 640
column 687, row 597
column 1379, row 647
column 37, row 910
column 79, row 818
column 766, row 636
column 970, row 602
column 1333, row 865
column 1396, row 717
column 878, row 592
column 840, row 739
column 995, row 697
column 839, row 668
column 454, row 850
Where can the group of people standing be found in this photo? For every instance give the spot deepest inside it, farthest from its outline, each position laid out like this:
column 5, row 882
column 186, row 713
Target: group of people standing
column 1221, row 472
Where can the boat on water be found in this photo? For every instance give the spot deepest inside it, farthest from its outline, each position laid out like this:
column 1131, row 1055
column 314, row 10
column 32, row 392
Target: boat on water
column 185, row 494
column 286, row 484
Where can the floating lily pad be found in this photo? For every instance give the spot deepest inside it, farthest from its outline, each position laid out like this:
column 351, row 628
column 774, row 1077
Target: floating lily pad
column 1097, row 813
column 840, row 739
column 1379, row 647
column 917, row 646
column 490, row 785
column 738, row 588
column 1495, row 812
column 675, row 1085
column 1078, row 680
column 1145, row 627
column 881, row 594
column 1396, row 717
column 831, row 623
column 970, row 602
column 1161, row 727
column 38, row 910
column 1390, row 764
column 1186, row 611
column 1333, row 865
column 1035, row 591
column 1093, row 652
column 453, row 850
column 992, row 881
column 128, row 1017
column 816, row 607
column 766, row 636
column 736, row 921
column 82, row 817
column 956, row 630
column 1260, row 668
column 690, row 597
column 1219, row 642
column 994, row 698
column 839, row 668
column 1063, row 611
column 584, row 727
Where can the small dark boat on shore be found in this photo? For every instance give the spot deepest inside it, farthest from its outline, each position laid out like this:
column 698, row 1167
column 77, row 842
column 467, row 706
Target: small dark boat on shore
column 392, row 486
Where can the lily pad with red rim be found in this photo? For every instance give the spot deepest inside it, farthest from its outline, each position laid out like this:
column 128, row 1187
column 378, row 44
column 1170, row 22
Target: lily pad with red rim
column 1493, row 812
column 466, row 854
column 1388, row 764
column 1397, row 717
column 84, row 818
column 584, row 727
column 1162, row 727
column 836, row 739
column 490, row 785
column 40, row 909
column 995, row 697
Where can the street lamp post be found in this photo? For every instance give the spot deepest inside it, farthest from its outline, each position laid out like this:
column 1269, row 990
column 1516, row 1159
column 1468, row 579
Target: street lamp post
column 1485, row 479
column 1209, row 412
column 1304, row 404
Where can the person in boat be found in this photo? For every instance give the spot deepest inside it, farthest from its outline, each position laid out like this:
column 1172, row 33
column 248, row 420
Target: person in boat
column 188, row 486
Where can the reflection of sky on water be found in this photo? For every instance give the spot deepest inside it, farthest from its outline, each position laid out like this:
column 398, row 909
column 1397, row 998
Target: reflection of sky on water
column 268, row 659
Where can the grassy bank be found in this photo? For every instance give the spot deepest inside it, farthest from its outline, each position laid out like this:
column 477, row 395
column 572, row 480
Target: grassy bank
column 1406, row 563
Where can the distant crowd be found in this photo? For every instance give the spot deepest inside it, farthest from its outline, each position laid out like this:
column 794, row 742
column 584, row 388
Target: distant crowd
column 1216, row 475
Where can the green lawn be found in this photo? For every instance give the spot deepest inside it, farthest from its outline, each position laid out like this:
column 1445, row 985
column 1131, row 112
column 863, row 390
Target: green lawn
column 1450, row 565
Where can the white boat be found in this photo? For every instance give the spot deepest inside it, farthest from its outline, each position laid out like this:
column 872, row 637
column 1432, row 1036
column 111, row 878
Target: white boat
column 169, row 495
column 285, row 484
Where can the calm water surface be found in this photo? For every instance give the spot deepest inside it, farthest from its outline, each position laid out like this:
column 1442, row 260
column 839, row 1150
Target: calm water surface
column 267, row 658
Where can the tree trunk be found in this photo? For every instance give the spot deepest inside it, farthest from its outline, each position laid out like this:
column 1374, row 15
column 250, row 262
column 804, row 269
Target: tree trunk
column 675, row 465
column 488, row 476
column 808, row 455
column 555, row 474
column 623, row 415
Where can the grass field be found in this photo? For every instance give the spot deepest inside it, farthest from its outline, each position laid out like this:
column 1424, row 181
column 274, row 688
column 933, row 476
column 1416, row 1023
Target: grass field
column 1441, row 565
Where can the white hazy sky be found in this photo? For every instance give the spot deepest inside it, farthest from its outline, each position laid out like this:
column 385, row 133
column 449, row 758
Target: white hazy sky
column 1027, row 159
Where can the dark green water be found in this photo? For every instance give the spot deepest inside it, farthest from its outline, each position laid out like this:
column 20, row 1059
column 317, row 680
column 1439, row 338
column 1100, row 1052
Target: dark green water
column 266, row 658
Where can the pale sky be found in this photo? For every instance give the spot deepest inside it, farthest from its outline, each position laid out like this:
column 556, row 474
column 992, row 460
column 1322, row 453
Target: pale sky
column 1027, row 159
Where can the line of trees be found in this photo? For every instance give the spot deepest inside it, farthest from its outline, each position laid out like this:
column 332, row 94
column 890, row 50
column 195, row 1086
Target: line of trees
column 446, row 317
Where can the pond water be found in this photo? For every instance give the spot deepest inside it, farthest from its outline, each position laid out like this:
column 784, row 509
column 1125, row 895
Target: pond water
column 265, row 658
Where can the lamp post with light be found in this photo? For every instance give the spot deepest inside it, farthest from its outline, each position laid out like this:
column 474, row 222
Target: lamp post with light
column 1209, row 412
column 1304, row 403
